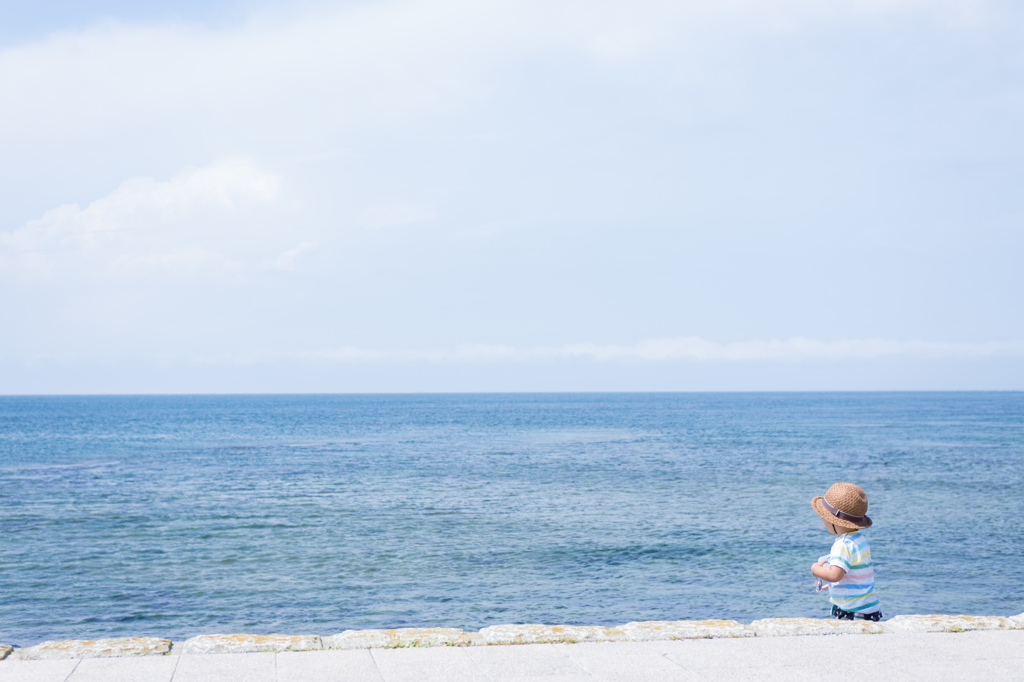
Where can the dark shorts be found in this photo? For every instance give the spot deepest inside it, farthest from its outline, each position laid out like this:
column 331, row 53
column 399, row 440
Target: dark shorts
column 839, row 614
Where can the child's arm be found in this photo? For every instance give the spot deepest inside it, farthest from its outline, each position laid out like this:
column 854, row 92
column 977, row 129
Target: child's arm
column 830, row 574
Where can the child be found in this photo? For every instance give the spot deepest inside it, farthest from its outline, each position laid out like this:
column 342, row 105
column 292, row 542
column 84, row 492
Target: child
column 847, row 569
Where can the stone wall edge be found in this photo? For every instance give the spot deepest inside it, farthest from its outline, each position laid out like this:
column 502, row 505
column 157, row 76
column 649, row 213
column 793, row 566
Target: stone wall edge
column 508, row 634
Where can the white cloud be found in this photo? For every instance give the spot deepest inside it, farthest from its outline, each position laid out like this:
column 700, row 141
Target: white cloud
column 795, row 349
column 183, row 225
column 285, row 261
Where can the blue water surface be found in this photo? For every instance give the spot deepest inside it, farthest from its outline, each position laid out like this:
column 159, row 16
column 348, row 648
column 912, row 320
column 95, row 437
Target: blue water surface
column 175, row 516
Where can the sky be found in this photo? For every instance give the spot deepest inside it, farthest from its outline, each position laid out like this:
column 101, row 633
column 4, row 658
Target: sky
column 236, row 196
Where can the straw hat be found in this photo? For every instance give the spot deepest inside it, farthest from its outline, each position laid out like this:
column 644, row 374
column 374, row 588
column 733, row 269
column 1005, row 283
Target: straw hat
column 845, row 504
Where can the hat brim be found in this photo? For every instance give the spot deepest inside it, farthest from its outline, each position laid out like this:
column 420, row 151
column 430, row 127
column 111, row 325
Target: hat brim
column 831, row 518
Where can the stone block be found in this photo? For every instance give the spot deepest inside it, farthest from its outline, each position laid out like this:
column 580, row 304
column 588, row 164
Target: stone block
column 96, row 648
column 398, row 638
column 941, row 623
column 653, row 630
column 358, row 639
column 785, row 627
column 534, row 634
column 242, row 644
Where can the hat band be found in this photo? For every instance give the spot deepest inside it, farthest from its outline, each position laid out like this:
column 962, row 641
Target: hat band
column 840, row 514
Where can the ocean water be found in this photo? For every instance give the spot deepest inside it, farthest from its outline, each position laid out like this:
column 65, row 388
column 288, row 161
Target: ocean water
column 175, row 516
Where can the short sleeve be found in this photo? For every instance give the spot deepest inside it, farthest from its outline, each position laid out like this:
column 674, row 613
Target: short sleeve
column 841, row 555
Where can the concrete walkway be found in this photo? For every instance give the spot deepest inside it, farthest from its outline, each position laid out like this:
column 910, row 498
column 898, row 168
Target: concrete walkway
column 981, row 655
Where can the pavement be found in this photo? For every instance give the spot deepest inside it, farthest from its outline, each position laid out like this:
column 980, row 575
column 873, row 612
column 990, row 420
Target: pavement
column 978, row 655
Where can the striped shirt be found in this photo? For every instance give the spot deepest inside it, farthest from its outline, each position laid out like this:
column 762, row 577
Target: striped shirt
column 856, row 591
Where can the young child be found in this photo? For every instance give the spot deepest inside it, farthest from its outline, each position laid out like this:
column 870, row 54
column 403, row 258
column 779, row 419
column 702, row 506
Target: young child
column 847, row 569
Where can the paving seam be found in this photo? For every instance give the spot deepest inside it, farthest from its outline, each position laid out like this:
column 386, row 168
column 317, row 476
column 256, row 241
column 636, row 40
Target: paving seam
column 376, row 666
column 174, row 671
column 477, row 668
column 73, row 670
column 573, row 663
column 676, row 663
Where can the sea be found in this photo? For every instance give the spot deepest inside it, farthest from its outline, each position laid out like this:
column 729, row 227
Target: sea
column 175, row 516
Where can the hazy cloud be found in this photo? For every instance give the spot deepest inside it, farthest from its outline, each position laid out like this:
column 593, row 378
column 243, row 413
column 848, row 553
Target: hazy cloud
column 394, row 215
column 653, row 350
column 384, row 61
column 399, row 175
